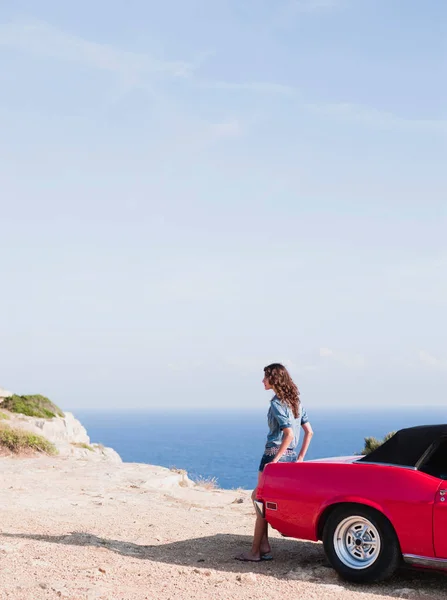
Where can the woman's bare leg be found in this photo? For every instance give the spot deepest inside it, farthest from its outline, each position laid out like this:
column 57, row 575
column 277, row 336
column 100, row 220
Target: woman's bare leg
column 260, row 543
column 264, row 545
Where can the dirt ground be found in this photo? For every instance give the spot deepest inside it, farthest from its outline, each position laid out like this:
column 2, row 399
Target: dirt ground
column 95, row 530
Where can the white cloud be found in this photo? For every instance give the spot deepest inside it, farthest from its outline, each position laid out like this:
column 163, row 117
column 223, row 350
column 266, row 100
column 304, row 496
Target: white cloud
column 227, row 129
column 252, row 86
column 312, row 6
column 432, row 361
column 288, row 11
column 294, row 9
column 378, row 118
column 252, row 365
column 255, row 364
column 42, row 39
column 324, row 352
column 422, row 281
column 351, row 361
column 344, row 111
column 185, row 366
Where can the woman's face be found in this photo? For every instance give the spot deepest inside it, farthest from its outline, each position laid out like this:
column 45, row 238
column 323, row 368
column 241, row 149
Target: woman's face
column 266, row 383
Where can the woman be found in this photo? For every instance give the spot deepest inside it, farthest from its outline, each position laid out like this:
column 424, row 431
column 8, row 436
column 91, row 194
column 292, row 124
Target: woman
column 285, row 417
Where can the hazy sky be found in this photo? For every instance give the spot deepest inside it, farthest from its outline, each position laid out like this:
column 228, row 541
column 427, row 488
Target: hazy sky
column 191, row 189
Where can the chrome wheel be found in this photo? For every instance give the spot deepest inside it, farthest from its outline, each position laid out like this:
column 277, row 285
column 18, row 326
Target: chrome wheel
column 357, row 542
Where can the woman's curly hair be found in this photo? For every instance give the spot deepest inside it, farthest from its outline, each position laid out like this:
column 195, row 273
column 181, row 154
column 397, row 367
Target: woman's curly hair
column 283, row 386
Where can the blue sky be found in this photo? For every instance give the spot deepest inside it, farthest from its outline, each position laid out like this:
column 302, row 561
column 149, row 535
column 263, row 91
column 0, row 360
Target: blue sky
column 193, row 189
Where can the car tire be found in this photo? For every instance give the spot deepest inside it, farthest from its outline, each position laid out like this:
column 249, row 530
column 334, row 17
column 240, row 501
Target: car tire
column 361, row 544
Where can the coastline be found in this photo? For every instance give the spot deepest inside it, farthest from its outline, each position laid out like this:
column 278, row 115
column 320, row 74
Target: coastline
column 228, row 445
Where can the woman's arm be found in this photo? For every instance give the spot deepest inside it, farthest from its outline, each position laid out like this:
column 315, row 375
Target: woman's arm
column 308, row 433
column 287, row 437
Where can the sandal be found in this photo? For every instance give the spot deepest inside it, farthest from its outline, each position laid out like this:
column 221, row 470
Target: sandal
column 244, row 558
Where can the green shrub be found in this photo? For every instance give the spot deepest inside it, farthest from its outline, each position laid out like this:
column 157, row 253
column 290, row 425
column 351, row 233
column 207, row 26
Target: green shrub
column 4, row 416
column 372, row 443
column 18, row 440
column 32, row 406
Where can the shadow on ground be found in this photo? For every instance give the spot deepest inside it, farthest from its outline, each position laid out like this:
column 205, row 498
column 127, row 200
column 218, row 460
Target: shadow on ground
column 305, row 559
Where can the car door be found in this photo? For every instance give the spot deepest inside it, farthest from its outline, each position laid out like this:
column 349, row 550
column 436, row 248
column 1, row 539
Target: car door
column 440, row 521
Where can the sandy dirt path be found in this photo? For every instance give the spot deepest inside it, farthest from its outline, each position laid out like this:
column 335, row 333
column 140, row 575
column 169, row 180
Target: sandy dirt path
column 88, row 530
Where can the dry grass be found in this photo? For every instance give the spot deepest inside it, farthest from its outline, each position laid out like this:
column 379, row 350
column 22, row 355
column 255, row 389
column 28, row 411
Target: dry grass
column 4, row 416
column 183, row 473
column 207, row 483
column 83, row 445
column 18, row 440
column 179, row 471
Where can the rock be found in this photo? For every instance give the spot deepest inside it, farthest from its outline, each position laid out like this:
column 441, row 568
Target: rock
column 238, row 501
column 39, row 563
column 96, row 594
column 325, row 573
column 162, row 478
column 405, row 593
column 331, row 587
column 206, row 573
column 61, row 591
column 246, row 578
column 95, row 452
column 108, row 454
column 67, row 434
column 59, row 430
column 300, row 574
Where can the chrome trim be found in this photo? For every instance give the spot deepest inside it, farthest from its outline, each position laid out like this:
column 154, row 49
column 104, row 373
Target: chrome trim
column 335, row 459
column 434, row 447
column 366, row 462
column 427, row 454
column 357, row 542
column 426, row 561
column 259, row 506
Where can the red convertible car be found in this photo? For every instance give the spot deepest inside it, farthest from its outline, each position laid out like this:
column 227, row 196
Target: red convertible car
column 371, row 512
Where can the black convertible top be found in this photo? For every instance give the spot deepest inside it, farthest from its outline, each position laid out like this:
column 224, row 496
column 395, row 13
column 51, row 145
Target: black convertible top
column 407, row 446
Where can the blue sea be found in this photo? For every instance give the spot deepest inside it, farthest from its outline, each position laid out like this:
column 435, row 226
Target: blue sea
column 229, row 445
